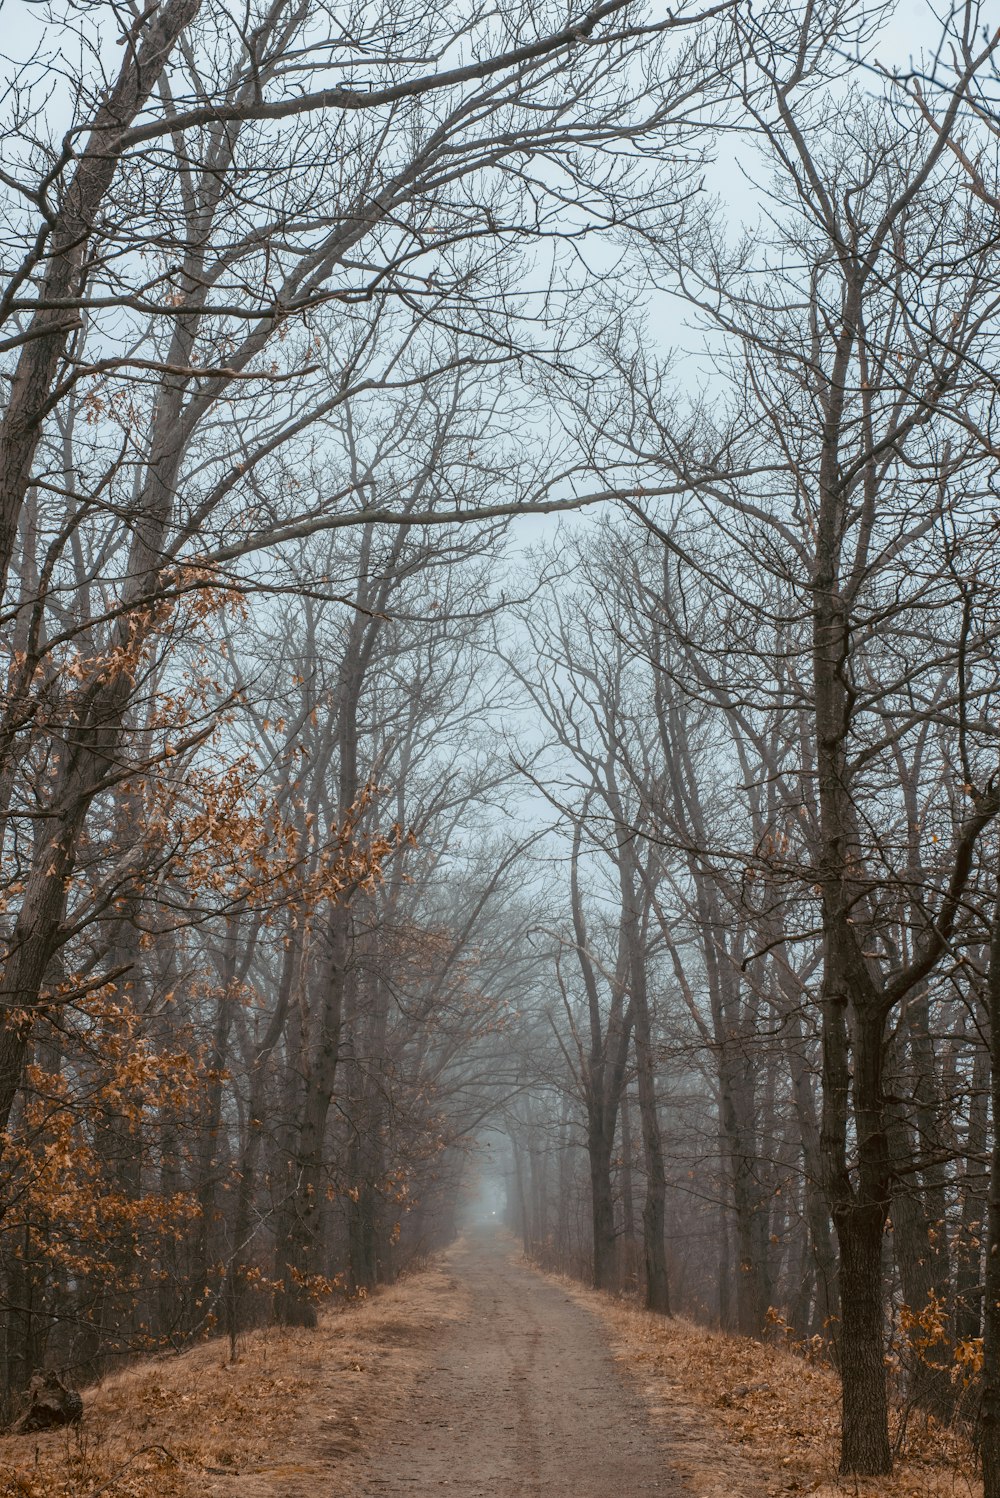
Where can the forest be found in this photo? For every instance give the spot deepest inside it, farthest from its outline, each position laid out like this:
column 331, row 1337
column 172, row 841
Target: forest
column 500, row 629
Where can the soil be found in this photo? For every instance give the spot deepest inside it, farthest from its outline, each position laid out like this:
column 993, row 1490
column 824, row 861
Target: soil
column 478, row 1376
column 521, row 1398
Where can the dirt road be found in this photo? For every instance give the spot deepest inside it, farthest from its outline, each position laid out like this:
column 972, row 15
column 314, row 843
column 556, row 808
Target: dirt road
column 521, row 1399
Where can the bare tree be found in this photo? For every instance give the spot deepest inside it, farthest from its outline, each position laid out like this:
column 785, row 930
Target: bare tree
column 230, row 259
column 862, row 393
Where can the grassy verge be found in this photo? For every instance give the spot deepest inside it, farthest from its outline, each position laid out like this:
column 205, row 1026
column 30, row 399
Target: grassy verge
column 770, row 1409
column 296, row 1413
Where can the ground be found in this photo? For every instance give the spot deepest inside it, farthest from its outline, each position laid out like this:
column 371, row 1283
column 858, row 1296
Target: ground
column 523, row 1399
column 478, row 1376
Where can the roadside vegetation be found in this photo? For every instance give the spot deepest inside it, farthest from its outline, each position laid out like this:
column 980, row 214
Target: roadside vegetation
column 500, row 661
column 772, row 1412
column 300, row 1411
column 296, row 1410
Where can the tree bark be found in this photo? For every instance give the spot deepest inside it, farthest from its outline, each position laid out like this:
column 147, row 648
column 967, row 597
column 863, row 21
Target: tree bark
column 605, row 1263
column 654, row 1207
column 300, row 1220
column 864, row 1399
column 969, row 1257
column 989, row 1413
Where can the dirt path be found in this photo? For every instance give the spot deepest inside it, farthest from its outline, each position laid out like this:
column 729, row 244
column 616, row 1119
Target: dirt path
column 477, row 1377
column 522, row 1398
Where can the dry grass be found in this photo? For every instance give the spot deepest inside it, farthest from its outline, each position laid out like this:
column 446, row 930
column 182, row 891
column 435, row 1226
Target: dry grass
column 295, row 1414
column 771, row 1408
column 298, row 1412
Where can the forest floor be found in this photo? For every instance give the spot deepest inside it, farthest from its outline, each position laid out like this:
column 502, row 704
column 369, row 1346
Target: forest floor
column 769, row 1415
column 480, row 1377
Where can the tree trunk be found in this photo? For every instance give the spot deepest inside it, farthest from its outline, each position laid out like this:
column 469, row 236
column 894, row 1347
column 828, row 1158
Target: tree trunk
column 367, row 1062
column 654, row 1207
column 301, row 1214
column 628, row 1188
column 968, row 1255
column 929, row 1143
column 362, row 1235
column 864, row 1402
column 210, row 1166
column 603, row 1084
column 725, row 1269
column 602, row 1209
column 630, row 1247
column 537, row 1162
column 564, row 1236
column 859, row 1214
column 817, row 1211
column 524, row 1222
column 753, row 1285
column 234, row 1289
column 990, row 1407
column 930, row 1386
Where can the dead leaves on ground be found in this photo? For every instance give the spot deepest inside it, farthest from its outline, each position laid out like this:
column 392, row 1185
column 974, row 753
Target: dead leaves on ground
column 780, row 1411
column 194, row 1424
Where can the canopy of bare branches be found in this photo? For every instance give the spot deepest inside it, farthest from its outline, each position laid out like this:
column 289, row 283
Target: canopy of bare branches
column 373, row 847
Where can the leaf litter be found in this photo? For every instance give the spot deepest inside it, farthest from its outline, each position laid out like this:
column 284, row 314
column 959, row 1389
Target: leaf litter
column 773, row 1409
column 296, row 1413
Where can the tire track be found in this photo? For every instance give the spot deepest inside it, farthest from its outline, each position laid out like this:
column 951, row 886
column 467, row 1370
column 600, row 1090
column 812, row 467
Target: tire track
column 521, row 1399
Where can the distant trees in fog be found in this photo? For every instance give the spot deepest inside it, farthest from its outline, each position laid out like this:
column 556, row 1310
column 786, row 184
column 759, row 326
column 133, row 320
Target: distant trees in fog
column 300, row 306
